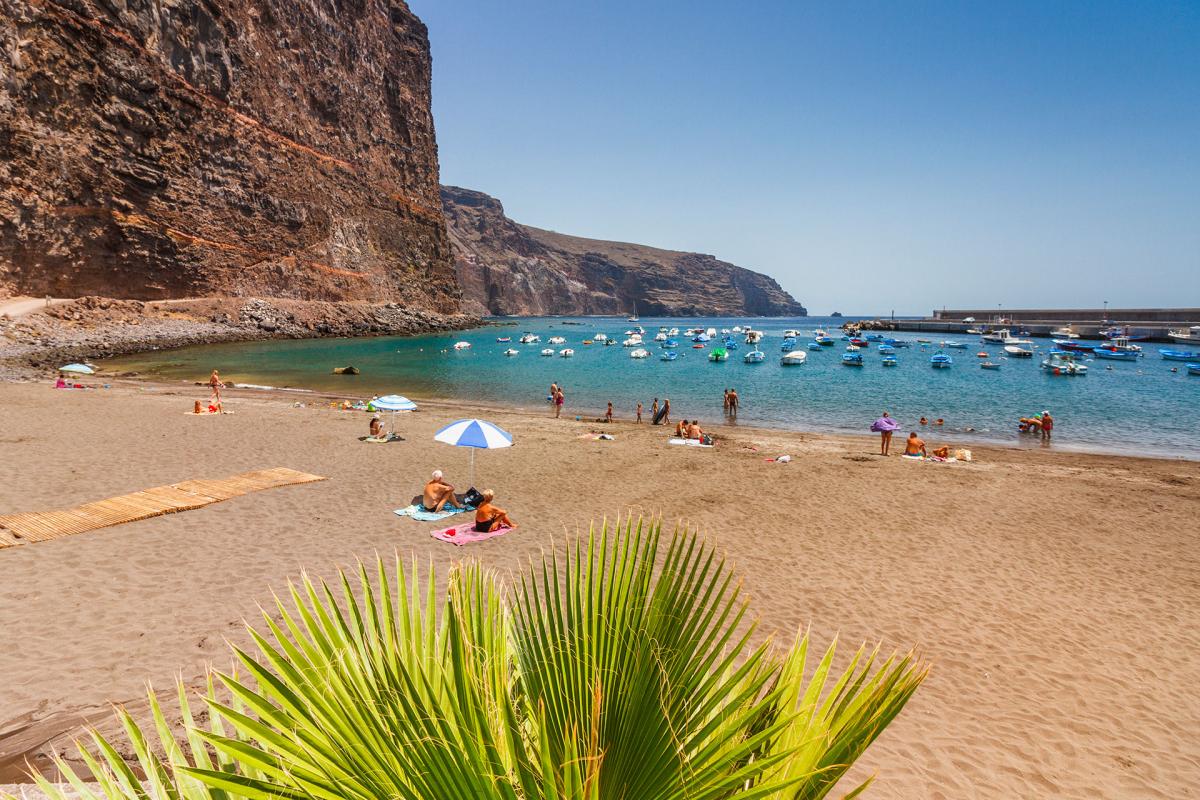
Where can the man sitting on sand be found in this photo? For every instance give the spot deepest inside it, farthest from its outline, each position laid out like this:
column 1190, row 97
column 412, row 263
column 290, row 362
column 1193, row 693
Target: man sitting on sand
column 915, row 446
column 488, row 517
column 694, row 431
column 681, row 429
column 437, row 493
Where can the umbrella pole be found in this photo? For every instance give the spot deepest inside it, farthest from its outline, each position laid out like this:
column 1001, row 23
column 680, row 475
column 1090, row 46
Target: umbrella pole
column 471, row 482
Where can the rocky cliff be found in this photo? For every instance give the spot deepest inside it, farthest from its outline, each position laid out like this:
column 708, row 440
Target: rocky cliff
column 508, row 268
column 278, row 148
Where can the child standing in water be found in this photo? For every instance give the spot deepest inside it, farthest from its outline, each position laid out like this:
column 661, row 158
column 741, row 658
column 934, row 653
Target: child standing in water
column 639, row 412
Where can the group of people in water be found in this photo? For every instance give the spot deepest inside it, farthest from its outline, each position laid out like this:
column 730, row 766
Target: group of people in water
column 439, row 493
column 1041, row 423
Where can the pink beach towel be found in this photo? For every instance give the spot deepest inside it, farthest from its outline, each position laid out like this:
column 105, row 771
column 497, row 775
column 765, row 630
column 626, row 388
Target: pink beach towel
column 466, row 533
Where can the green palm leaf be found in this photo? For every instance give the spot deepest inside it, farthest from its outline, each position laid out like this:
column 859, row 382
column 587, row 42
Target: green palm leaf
column 623, row 669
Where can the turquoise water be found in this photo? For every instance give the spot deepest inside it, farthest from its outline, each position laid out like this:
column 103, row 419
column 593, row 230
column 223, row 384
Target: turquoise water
column 1139, row 407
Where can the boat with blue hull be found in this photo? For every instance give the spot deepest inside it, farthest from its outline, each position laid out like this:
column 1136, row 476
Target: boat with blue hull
column 1179, row 355
column 670, row 355
column 755, row 356
column 1193, row 369
column 852, row 360
column 889, row 361
column 941, row 361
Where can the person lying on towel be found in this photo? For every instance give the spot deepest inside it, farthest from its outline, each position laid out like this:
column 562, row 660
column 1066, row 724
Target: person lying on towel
column 437, row 493
column 488, row 517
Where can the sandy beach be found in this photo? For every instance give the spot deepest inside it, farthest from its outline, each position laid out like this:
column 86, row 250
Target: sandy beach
column 1054, row 593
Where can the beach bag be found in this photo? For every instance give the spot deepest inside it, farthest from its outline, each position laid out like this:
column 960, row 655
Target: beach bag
column 473, row 498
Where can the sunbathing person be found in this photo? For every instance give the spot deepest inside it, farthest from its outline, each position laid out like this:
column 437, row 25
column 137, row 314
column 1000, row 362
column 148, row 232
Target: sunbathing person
column 915, row 446
column 376, row 427
column 437, row 493
column 942, row 452
column 694, row 431
column 488, row 517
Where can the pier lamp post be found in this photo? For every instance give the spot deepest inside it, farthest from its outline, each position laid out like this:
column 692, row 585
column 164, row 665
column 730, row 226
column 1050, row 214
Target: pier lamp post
column 1106, row 311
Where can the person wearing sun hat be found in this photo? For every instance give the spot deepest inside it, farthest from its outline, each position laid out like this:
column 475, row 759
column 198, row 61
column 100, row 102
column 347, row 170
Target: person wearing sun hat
column 1047, row 425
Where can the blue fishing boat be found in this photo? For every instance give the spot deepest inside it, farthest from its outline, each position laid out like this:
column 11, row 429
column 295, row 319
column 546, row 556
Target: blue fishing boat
column 889, row 361
column 1179, row 355
column 755, row 356
column 1114, row 354
column 670, row 344
column 954, row 344
column 941, row 361
column 670, row 355
column 886, row 349
column 898, row 342
column 874, row 337
column 788, row 345
column 1193, row 369
column 814, row 346
column 852, row 360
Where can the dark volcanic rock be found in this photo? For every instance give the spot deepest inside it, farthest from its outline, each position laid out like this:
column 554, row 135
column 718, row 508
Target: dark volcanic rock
column 212, row 147
column 508, row 268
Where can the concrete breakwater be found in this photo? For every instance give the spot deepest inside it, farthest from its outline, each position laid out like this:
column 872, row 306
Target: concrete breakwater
column 1152, row 323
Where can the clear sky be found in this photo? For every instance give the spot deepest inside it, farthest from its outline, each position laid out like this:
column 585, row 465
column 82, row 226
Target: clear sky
column 868, row 155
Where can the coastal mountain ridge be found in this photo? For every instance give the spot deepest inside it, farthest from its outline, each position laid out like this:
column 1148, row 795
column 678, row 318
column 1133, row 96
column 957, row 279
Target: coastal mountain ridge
column 506, row 268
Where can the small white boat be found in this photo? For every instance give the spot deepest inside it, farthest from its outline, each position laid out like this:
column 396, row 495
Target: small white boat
column 566, row 352
column 753, row 336
column 755, row 356
column 512, row 352
column 793, row 359
column 530, row 338
column 1064, row 332
column 549, row 351
column 1188, row 336
column 791, row 333
column 1058, row 363
column 1004, row 336
column 673, row 332
column 600, row 337
column 462, row 345
column 1018, row 352
column 639, row 353
column 852, row 348
column 557, row 340
column 634, row 318
column 737, row 329
column 632, row 341
column 661, row 336
column 711, row 332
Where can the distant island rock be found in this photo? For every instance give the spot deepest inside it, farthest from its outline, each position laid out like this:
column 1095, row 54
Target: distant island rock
column 505, row 267
column 836, row 314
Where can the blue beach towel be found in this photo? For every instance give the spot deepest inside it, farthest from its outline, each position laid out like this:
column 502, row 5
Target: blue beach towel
column 421, row 515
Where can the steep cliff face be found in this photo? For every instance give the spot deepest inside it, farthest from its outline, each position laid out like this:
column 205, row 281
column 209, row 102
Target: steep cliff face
column 508, row 268
column 280, row 148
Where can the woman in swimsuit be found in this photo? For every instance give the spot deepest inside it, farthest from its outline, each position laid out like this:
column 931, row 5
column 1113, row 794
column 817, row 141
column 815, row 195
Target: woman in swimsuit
column 488, row 517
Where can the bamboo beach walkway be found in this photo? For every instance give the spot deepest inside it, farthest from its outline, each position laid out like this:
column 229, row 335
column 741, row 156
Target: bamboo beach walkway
column 41, row 526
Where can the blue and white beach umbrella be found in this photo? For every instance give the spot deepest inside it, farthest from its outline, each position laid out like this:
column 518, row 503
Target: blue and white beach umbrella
column 82, row 369
column 393, row 403
column 476, row 434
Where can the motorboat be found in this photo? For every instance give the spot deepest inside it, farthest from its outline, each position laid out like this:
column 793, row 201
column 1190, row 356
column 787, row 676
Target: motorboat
column 660, row 336
column 1060, row 362
column 889, row 361
column 857, row 342
column 874, row 337
column 814, row 346
column 923, row 341
column 1193, row 369
column 670, row 344
column 503, row 338
column 512, row 352
column 791, row 333
column 718, row 354
column 670, row 355
column 530, row 338
column 852, row 348
column 1018, row 352
column 1179, row 355
column 725, row 331
column 638, row 331
column 701, row 337
column 610, row 342
column 697, row 346
column 887, row 349
column 1004, row 336
column 852, row 360
column 1117, row 332
column 587, row 341
column 600, row 337
column 819, row 332
column 1189, row 336
column 662, row 328
column 711, row 332
column 730, row 343
column 1074, row 344
column 753, row 337
column 639, row 353
column 632, row 341
column 982, row 354
column 673, row 332
column 788, row 345
column 973, row 332
column 941, row 361
column 954, row 345
column 793, row 359
column 989, row 365
column 557, row 340
column 824, row 341
column 566, row 352
column 549, row 351
column 1118, row 349
column 898, row 342
column 1065, row 332
column 755, row 356
column 462, row 345
column 737, row 328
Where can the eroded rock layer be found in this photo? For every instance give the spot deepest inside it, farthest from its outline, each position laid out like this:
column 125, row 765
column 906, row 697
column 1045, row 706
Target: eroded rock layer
column 278, row 148
column 508, row 268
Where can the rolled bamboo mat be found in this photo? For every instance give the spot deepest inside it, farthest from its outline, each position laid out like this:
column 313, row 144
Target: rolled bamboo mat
column 41, row 526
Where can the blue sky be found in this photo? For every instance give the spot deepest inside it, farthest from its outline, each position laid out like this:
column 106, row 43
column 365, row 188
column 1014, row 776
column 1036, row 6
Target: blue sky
column 869, row 156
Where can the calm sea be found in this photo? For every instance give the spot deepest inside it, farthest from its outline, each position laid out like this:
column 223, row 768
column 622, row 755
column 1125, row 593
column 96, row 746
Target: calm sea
column 1137, row 407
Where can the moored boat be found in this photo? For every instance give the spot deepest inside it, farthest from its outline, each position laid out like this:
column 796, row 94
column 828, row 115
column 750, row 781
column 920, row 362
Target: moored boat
column 1060, row 362
column 530, row 338
column 639, row 353
column 462, row 345
column 1004, row 336
column 1118, row 349
column 814, row 346
column 548, row 351
column 669, row 355
column 670, row 344
column 852, row 360
column 1018, row 352
column 566, row 352
column 1186, row 336
column 887, row 349
column 940, row 360
column 512, row 351
column 503, row 338
column 1074, row 344
column 1193, row 369
column 824, row 341
column 989, row 365
column 793, row 359
column 755, row 356
column 788, row 344
column 718, row 354
column 889, row 361
column 1179, row 355
column 955, row 345
column 557, row 340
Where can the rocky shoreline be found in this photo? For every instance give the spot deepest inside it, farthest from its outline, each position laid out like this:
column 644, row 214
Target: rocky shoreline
column 92, row 328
